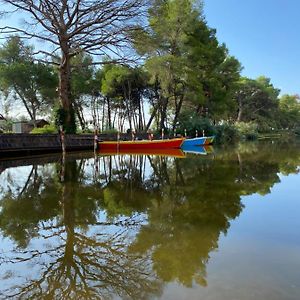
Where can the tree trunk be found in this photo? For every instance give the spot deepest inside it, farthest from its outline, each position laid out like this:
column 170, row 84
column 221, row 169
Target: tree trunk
column 65, row 89
column 144, row 117
column 103, row 118
column 177, row 111
column 109, row 112
column 240, row 112
column 151, row 118
column 163, row 113
column 24, row 102
column 79, row 116
column 34, row 116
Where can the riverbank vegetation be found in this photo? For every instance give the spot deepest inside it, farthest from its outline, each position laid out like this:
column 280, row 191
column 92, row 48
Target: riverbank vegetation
column 160, row 68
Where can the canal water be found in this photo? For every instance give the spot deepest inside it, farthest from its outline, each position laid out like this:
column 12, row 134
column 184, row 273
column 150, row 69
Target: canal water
column 223, row 223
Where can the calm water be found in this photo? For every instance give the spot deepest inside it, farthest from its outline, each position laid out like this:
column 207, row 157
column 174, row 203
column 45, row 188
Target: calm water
column 225, row 225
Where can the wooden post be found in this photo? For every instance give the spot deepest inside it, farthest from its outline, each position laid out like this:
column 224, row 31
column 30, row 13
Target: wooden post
column 118, row 139
column 62, row 139
column 63, row 167
column 95, row 153
column 96, row 140
column 150, row 135
column 63, row 159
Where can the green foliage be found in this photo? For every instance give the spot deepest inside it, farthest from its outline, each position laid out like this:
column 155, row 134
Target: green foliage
column 47, row 129
column 82, row 74
column 186, row 61
column 248, row 131
column 124, row 88
column 226, row 133
column 191, row 122
column 297, row 130
column 185, row 68
column 123, row 82
column 289, row 111
column 6, row 125
column 85, row 131
column 110, row 131
column 61, row 119
column 257, row 100
column 33, row 84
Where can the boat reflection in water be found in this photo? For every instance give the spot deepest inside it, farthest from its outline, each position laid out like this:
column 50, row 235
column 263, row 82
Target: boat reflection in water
column 199, row 150
column 178, row 153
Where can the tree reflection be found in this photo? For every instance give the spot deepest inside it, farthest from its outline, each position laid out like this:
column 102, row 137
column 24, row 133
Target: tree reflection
column 79, row 262
column 130, row 224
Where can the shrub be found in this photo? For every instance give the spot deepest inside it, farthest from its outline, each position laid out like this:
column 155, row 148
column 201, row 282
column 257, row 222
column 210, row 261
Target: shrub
column 297, row 130
column 47, row 129
column 226, row 133
column 85, row 131
column 248, row 131
column 109, row 131
column 61, row 120
column 191, row 122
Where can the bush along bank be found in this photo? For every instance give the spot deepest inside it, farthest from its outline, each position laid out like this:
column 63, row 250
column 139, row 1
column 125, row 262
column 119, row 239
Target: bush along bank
column 193, row 126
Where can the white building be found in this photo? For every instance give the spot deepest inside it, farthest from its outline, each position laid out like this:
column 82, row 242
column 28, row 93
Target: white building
column 2, row 123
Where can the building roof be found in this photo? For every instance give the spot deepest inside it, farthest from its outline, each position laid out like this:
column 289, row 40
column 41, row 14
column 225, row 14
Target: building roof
column 39, row 121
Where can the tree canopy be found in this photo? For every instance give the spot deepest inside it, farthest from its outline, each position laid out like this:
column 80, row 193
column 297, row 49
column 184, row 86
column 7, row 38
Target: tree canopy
column 33, row 83
column 159, row 63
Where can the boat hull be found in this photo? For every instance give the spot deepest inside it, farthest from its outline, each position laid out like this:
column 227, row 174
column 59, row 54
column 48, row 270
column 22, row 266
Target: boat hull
column 209, row 140
column 140, row 144
column 199, row 141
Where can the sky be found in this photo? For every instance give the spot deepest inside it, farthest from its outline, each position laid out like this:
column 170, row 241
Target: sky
column 264, row 35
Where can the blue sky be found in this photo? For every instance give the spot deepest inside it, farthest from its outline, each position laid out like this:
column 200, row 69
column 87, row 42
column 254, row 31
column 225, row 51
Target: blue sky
column 264, row 35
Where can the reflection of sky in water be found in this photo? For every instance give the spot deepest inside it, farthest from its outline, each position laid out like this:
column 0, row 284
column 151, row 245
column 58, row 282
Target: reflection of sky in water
column 45, row 244
column 14, row 179
column 259, row 258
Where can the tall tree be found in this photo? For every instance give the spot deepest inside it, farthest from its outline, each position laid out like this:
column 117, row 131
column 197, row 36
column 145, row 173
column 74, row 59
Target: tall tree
column 82, row 84
column 184, row 59
column 257, row 100
column 289, row 107
column 163, row 44
column 126, row 85
column 97, row 27
column 33, row 83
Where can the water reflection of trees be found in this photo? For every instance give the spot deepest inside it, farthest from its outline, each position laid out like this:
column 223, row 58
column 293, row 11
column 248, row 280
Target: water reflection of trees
column 131, row 224
column 85, row 257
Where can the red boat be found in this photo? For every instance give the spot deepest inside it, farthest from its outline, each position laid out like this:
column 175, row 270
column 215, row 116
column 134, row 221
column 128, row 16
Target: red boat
column 141, row 144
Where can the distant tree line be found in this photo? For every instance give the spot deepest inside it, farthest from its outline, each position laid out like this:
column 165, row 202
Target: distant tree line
column 161, row 67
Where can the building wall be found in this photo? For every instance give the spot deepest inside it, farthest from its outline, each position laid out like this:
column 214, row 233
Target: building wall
column 22, row 127
column 10, row 143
